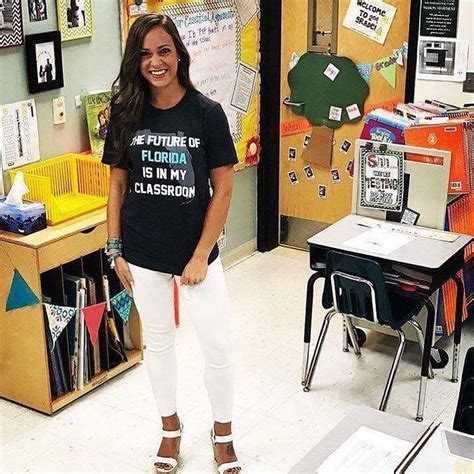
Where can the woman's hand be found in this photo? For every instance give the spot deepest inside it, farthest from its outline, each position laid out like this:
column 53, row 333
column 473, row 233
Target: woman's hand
column 194, row 272
column 123, row 272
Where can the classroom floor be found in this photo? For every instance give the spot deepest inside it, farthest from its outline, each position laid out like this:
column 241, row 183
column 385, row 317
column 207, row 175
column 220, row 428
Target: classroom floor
column 117, row 428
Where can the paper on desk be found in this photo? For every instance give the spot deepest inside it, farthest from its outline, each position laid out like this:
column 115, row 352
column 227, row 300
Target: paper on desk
column 379, row 241
column 366, row 451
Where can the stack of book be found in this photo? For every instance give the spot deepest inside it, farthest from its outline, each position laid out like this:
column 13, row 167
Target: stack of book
column 75, row 360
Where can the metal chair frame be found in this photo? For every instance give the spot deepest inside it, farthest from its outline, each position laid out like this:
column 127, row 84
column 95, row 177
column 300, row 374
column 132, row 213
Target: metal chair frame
column 349, row 331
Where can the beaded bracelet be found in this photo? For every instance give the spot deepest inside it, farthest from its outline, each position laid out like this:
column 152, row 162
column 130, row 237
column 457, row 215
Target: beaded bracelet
column 113, row 249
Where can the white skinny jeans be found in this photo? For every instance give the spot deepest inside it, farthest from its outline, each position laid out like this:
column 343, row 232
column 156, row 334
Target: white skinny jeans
column 208, row 306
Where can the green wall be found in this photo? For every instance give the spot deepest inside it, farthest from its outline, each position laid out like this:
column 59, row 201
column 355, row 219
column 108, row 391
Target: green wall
column 92, row 64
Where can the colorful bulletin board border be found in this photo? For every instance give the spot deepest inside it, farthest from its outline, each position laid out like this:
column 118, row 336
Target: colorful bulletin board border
column 220, row 45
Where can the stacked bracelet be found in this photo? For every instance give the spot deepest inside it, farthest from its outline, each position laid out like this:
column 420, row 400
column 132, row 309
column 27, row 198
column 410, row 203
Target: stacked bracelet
column 113, row 249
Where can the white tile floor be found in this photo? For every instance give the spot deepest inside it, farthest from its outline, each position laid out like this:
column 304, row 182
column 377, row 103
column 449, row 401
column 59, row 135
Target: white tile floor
column 116, row 428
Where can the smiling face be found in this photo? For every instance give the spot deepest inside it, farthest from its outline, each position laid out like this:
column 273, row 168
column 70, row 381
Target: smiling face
column 159, row 60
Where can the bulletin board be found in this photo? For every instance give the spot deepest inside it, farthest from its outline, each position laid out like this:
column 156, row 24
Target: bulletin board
column 324, row 194
column 222, row 37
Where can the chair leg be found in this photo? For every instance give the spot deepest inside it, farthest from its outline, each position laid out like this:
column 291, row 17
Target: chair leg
column 308, row 321
column 317, row 350
column 345, row 341
column 393, row 370
column 352, row 334
column 421, row 341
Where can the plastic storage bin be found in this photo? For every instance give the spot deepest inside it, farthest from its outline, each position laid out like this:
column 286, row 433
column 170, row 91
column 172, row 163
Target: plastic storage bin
column 68, row 185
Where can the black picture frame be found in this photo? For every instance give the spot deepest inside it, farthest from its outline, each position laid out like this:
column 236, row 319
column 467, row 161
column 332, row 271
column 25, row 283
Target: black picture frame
column 11, row 24
column 44, row 62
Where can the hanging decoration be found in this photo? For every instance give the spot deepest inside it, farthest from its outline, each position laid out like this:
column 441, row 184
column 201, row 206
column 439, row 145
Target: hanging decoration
column 252, row 154
column 122, row 302
column 93, row 317
column 58, row 318
column 20, row 294
column 365, row 70
column 387, row 68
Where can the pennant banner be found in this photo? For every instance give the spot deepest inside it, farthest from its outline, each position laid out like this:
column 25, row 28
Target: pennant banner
column 20, row 294
column 93, row 317
column 122, row 302
column 398, row 53
column 58, row 318
column 365, row 70
column 405, row 49
column 387, row 67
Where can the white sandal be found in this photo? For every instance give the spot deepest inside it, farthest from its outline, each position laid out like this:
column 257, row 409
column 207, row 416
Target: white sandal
column 223, row 439
column 170, row 461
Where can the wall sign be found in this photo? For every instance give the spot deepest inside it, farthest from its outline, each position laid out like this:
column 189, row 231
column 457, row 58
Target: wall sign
column 381, row 179
column 439, row 18
column 371, row 18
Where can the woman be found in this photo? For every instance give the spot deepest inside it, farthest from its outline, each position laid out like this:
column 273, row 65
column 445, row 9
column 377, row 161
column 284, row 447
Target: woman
column 165, row 142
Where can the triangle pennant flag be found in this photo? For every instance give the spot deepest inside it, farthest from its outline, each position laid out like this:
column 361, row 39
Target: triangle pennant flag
column 122, row 302
column 20, row 294
column 365, row 70
column 405, row 49
column 387, row 67
column 399, row 55
column 93, row 317
column 58, row 318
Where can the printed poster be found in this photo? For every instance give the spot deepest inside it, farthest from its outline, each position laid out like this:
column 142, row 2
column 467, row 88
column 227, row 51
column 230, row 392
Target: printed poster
column 442, row 59
column 439, row 18
column 244, row 87
column 381, row 180
column 371, row 18
column 19, row 140
column 246, row 9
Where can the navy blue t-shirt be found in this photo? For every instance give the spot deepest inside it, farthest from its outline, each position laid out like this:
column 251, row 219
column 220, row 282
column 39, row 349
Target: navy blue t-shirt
column 171, row 153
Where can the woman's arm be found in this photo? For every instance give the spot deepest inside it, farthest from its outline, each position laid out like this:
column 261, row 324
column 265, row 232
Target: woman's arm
column 117, row 192
column 222, row 181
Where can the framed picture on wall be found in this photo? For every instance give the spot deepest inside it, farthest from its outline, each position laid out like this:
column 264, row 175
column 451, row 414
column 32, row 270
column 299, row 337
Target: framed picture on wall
column 37, row 10
column 74, row 19
column 44, row 61
column 11, row 23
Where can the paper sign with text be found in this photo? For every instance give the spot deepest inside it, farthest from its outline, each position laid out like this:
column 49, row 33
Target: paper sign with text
column 381, row 180
column 370, row 18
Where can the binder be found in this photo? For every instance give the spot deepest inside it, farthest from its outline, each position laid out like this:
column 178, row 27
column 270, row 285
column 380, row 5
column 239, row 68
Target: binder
column 450, row 137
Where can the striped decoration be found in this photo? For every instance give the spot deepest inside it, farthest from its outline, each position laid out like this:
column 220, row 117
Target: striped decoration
column 15, row 37
column 205, row 6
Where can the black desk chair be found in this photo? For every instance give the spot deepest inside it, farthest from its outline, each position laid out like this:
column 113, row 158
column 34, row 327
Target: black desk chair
column 355, row 288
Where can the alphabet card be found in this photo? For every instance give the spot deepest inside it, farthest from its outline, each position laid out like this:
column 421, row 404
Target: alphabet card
column 371, row 18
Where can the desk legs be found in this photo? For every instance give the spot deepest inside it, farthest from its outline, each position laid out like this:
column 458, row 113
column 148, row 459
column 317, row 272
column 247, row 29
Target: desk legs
column 430, row 321
column 457, row 326
column 308, row 321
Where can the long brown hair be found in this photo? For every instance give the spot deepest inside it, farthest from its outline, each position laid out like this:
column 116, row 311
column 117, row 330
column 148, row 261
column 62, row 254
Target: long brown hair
column 130, row 88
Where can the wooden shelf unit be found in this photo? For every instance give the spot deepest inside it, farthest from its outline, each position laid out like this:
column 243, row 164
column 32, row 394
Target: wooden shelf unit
column 24, row 366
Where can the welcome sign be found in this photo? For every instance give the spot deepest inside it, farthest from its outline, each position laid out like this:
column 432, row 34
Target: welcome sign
column 370, row 18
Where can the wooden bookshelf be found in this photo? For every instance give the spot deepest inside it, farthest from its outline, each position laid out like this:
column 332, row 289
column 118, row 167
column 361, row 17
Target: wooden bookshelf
column 25, row 374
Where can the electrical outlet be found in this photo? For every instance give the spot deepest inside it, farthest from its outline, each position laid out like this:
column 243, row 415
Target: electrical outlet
column 59, row 110
column 78, row 100
column 468, row 85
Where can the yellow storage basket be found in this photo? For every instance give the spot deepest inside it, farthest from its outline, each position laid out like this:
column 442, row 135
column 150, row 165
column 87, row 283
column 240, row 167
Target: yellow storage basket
column 69, row 185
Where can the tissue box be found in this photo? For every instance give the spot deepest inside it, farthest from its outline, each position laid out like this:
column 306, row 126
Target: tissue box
column 25, row 219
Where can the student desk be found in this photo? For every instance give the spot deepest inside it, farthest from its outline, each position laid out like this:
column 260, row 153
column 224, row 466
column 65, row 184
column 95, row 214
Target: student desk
column 438, row 260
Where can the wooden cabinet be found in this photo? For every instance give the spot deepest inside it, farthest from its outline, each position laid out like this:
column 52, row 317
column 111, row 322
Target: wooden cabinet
column 24, row 366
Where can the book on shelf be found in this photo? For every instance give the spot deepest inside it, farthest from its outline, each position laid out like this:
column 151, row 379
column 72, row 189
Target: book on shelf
column 97, row 107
